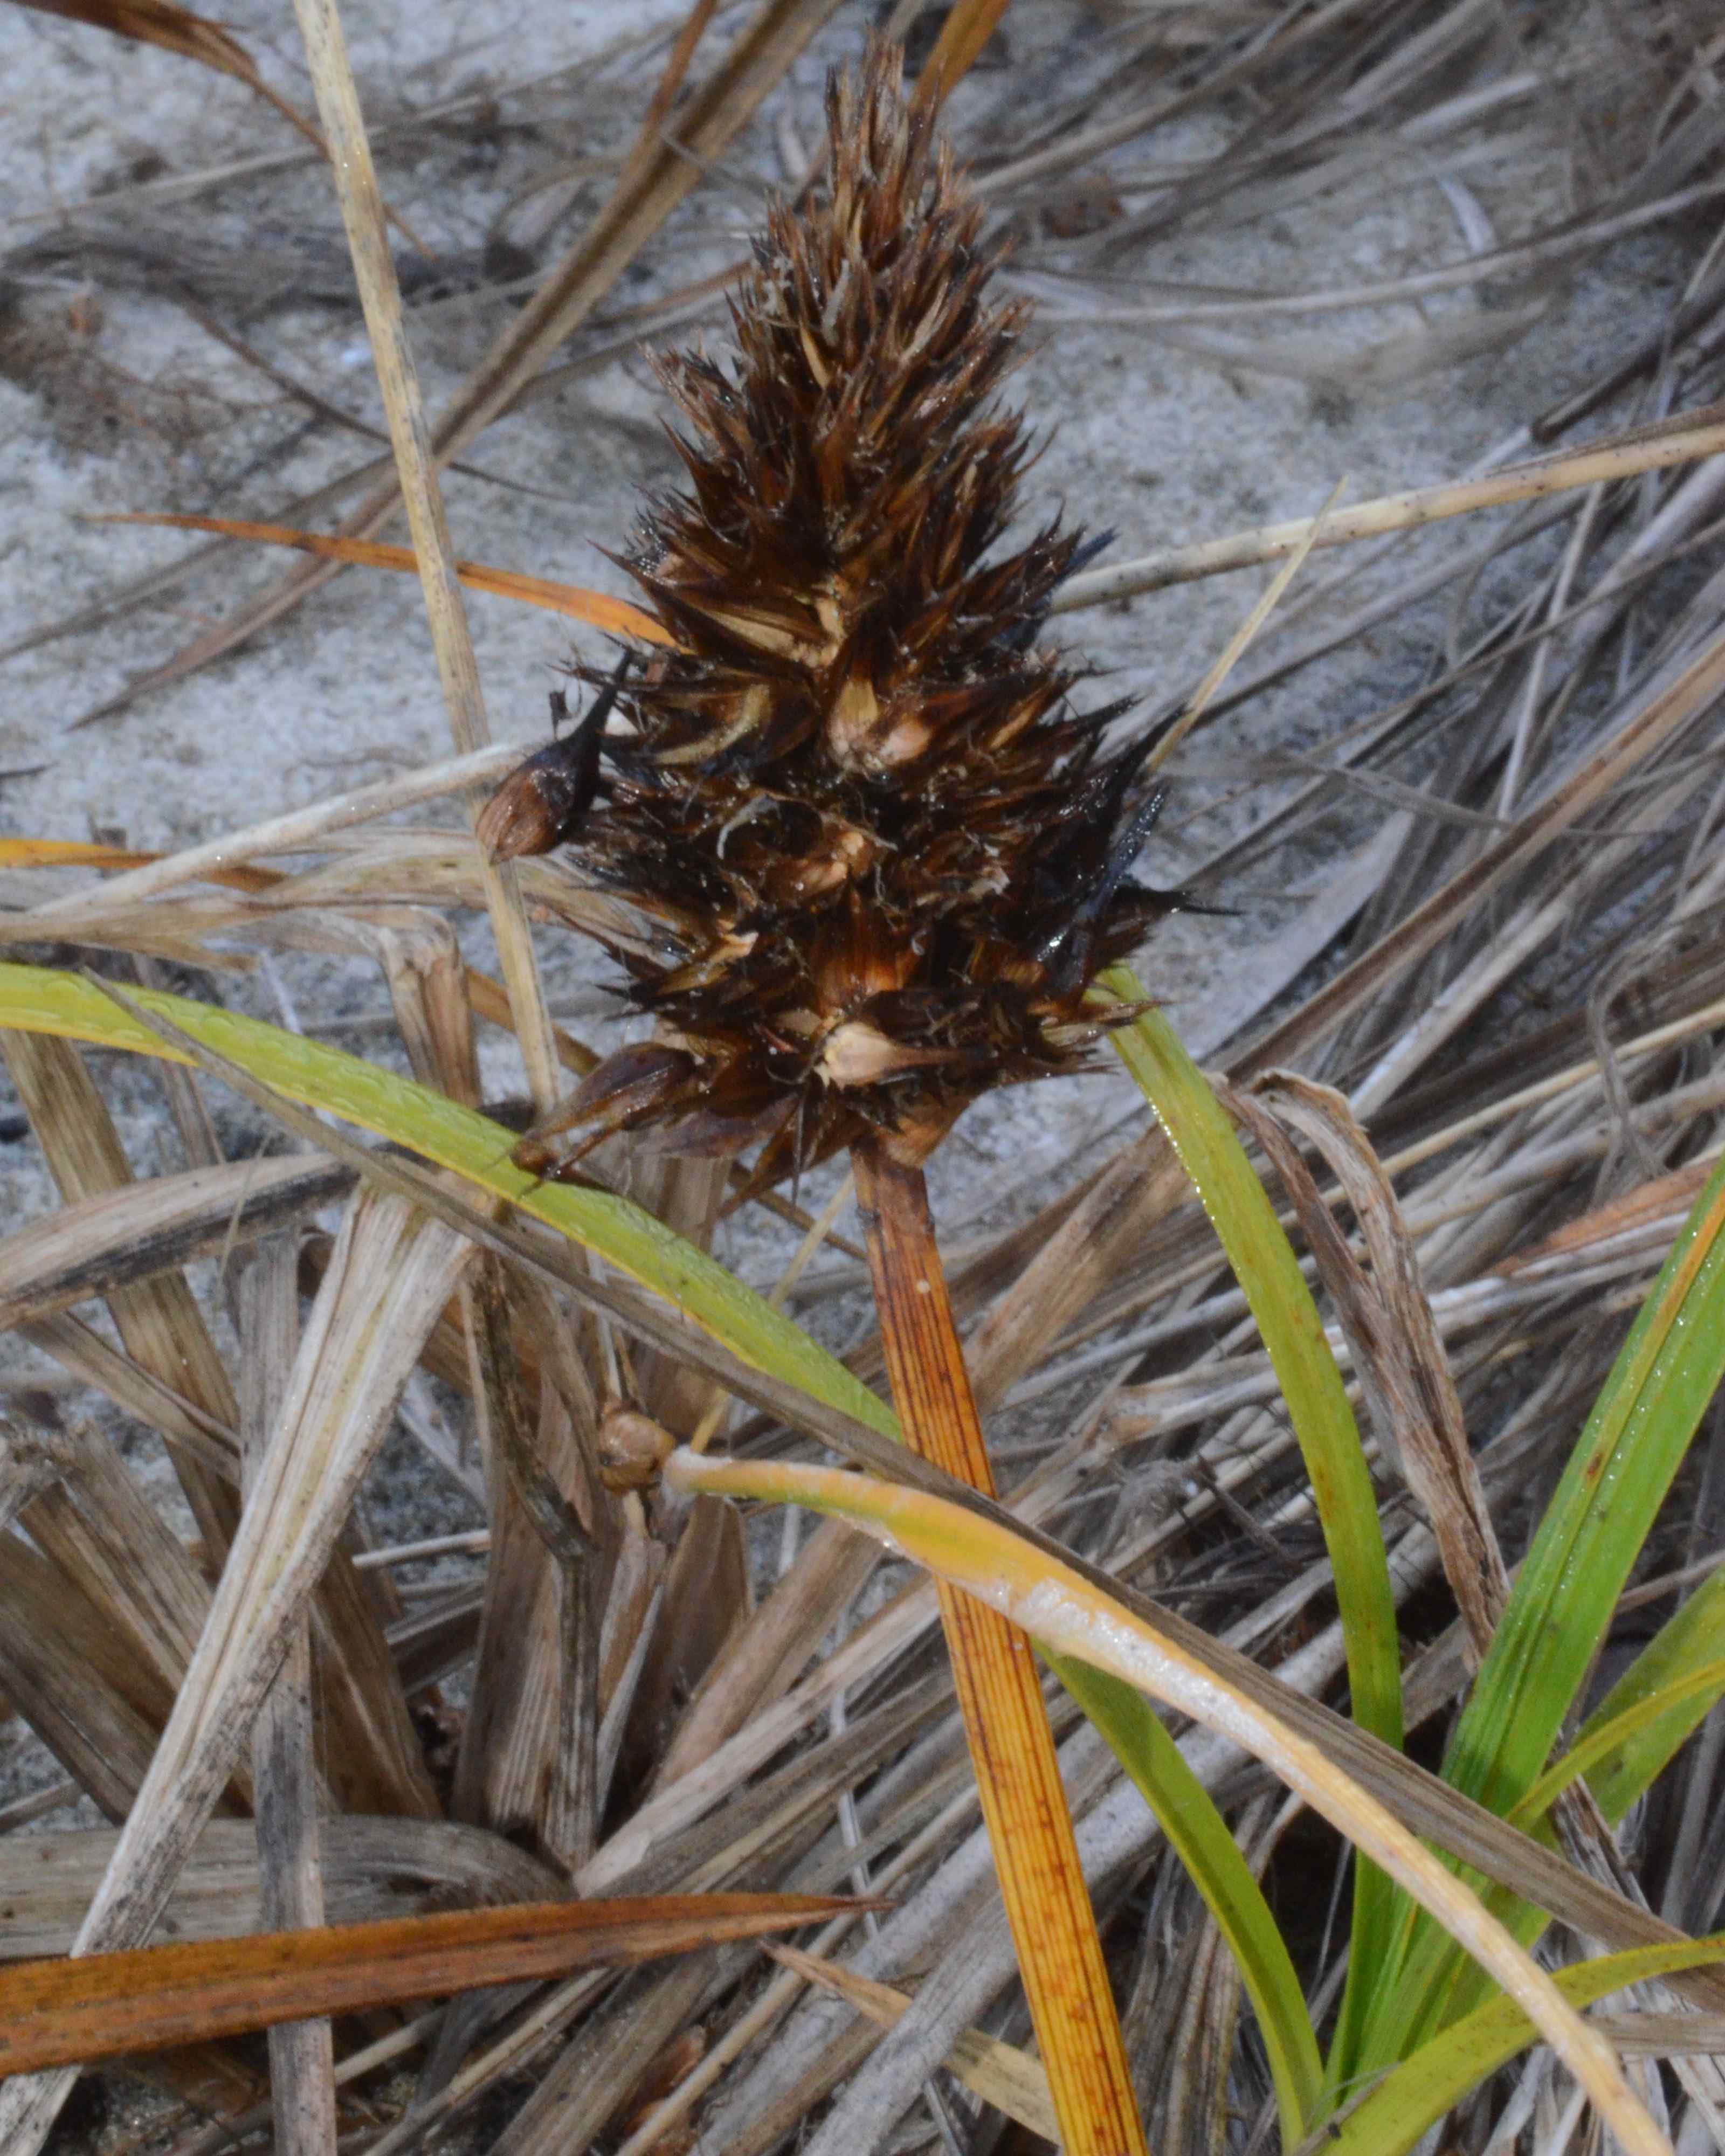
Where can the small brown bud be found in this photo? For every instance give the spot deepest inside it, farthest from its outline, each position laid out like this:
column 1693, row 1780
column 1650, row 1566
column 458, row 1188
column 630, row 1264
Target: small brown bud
column 519, row 820
column 631, row 1448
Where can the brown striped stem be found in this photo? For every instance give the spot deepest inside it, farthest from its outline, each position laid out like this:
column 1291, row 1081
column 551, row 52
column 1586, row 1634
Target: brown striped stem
column 1012, row 1746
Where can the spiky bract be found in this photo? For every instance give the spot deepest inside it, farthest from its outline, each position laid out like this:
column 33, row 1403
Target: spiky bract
column 885, row 856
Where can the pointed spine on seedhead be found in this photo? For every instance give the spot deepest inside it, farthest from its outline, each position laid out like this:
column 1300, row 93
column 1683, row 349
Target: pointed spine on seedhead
column 885, row 857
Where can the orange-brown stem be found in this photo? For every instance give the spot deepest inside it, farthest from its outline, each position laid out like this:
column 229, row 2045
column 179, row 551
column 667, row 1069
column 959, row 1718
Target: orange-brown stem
column 999, row 1693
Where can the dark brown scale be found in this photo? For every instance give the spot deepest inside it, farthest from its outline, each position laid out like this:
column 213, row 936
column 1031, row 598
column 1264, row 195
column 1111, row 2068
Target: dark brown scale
column 891, row 856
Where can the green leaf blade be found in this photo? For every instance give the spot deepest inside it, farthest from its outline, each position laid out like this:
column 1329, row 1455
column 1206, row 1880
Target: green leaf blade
column 1199, row 1837
column 37, row 999
column 1269, row 1274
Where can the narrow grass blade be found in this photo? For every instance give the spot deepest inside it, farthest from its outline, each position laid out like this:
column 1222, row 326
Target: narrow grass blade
column 1587, row 1545
column 1693, row 1640
column 61, row 2013
column 1593, row 1533
column 1414, row 2096
column 1672, row 1711
column 1199, row 1837
column 1067, row 1614
column 617, row 617
column 36, row 999
column 1269, row 1274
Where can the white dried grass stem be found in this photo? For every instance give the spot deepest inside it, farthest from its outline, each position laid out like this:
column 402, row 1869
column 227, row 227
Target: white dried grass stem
column 1645, row 450
column 390, row 1275
column 380, row 295
column 291, row 833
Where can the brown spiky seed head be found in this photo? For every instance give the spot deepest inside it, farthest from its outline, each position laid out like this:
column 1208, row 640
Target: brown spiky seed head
column 883, row 856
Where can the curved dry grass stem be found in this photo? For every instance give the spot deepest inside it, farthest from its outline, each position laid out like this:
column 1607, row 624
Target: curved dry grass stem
column 1068, row 1616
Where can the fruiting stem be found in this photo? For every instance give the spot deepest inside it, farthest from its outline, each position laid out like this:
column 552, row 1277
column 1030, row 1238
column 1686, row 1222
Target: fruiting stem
column 999, row 1693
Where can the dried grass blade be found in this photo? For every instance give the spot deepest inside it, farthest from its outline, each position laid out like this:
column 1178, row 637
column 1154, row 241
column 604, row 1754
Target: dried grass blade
column 966, row 31
column 111, row 1547
column 58, row 2013
column 62, row 1670
column 1690, row 437
column 96, row 1362
column 224, row 860
column 177, row 30
column 416, row 475
column 616, row 617
column 389, row 1278
column 81, row 854
column 1065, row 1612
column 1398, row 1350
column 118, row 1237
column 158, row 1320
column 302, row 2056
column 373, row 1869
column 1000, row 2074
column 377, row 1763
column 528, row 1760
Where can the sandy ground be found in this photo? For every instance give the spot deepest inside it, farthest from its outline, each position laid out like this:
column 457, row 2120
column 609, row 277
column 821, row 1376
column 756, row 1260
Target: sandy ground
column 112, row 397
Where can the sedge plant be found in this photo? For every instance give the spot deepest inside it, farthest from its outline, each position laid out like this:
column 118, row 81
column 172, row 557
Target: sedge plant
column 884, row 855
column 886, row 866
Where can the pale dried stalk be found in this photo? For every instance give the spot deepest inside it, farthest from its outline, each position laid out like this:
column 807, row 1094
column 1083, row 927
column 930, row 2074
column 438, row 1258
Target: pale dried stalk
column 1647, row 448
column 389, row 1278
column 380, row 295
column 302, row 2055
column 1001, row 2074
column 292, row 832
